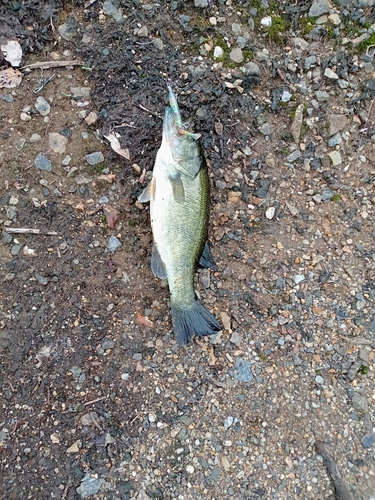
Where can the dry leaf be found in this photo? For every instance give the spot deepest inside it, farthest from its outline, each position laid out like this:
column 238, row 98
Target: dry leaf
column 112, row 215
column 106, row 177
column 81, row 206
column 144, row 321
column 10, row 78
column 116, row 146
column 12, row 52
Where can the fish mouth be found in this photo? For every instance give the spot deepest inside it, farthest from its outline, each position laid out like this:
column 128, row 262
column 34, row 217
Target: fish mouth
column 173, row 126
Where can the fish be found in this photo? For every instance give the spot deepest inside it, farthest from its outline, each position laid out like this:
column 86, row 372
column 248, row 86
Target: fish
column 179, row 209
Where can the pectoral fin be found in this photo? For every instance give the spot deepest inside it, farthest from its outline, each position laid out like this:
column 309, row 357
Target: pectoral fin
column 206, row 259
column 157, row 265
column 177, row 187
column 148, row 192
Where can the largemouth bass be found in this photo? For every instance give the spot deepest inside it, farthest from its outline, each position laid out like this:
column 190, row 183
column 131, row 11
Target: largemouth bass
column 179, row 206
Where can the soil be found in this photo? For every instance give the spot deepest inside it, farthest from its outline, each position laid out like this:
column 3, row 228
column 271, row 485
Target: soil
column 92, row 382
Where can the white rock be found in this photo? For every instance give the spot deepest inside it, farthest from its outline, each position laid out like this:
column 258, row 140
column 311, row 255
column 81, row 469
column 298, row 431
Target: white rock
column 12, row 52
column 330, row 74
column 218, row 52
column 335, row 158
column 266, row 21
column 270, row 213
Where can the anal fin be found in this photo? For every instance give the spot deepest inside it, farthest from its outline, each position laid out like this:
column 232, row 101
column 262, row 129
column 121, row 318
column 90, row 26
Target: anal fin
column 148, row 192
column 206, row 259
column 157, row 265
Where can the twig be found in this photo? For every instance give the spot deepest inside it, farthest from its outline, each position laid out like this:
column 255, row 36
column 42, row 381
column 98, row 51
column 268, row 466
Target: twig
column 94, row 401
column 89, row 3
column 29, row 230
column 342, row 491
column 52, row 64
column 148, row 111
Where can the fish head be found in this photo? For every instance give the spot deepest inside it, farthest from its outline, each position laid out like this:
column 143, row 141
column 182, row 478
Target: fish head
column 181, row 143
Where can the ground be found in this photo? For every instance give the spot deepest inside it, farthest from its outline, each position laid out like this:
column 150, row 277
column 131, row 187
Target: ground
column 97, row 400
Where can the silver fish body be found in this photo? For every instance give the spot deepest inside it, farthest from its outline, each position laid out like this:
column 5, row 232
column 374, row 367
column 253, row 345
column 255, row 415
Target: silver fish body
column 179, row 208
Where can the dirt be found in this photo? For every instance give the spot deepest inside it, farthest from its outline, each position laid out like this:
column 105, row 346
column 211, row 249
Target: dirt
column 92, row 382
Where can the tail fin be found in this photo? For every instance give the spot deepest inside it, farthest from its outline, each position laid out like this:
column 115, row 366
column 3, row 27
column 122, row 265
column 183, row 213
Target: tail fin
column 192, row 319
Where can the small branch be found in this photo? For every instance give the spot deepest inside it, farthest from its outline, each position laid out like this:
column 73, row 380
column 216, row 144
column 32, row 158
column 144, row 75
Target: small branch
column 52, row 64
column 29, row 230
column 148, row 111
column 94, row 401
column 342, row 491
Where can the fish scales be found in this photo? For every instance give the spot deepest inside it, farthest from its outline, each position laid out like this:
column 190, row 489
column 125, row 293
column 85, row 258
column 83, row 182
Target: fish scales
column 179, row 196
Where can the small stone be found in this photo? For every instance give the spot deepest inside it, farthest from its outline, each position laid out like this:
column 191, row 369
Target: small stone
column 242, row 371
column 158, row 43
column 43, row 163
column 65, row 162
column 235, row 338
column 298, row 278
column 113, row 244
column 218, row 52
column 201, row 3
column 35, row 138
column 94, row 158
column 300, row 43
column 265, row 129
column 359, row 403
column 319, row 7
column 286, row 96
column 7, row 98
column 107, row 344
column 89, row 486
column 270, row 213
column 75, row 447
column 57, row 142
column 252, row 69
column 68, row 30
column 322, row 95
column 228, row 422
column 236, row 55
column 293, row 156
column 236, row 29
column 309, row 61
column 42, row 106
column 103, row 200
column 225, row 319
column 80, row 92
column 368, row 440
column 330, row 74
column 335, row 158
column 143, row 31
column 213, row 21
column 25, row 117
column 343, row 84
column 334, row 19
column 297, row 123
column 337, row 123
column 319, row 380
column 335, row 140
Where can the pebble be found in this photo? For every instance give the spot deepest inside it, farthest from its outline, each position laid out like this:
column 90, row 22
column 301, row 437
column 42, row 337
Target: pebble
column 65, row 162
column 293, row 156
column 94, row 158
column 68, row 30
column 43, row 163
column 298, row 278
column 35, row 138
column 270, row 213
column 103, row 200
column 359, row 403
column 25, row 117
column 335, row 158
column 242, row 371
column 335, row 140
column 89, row 486
column 330, row 74
column 319, row 380
column 310, row 61
column 319, row 7
column 228, row 422
column 158, row 43
column 236, row 55
column 57, row 142
column 251, row 68
column 337, row 123
column 42, row 106
column 322, row 95
column 218, row 52
column 7, row 98
column 201, row 3
column 235, row 338
column 368, row 440
column 113, row 244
